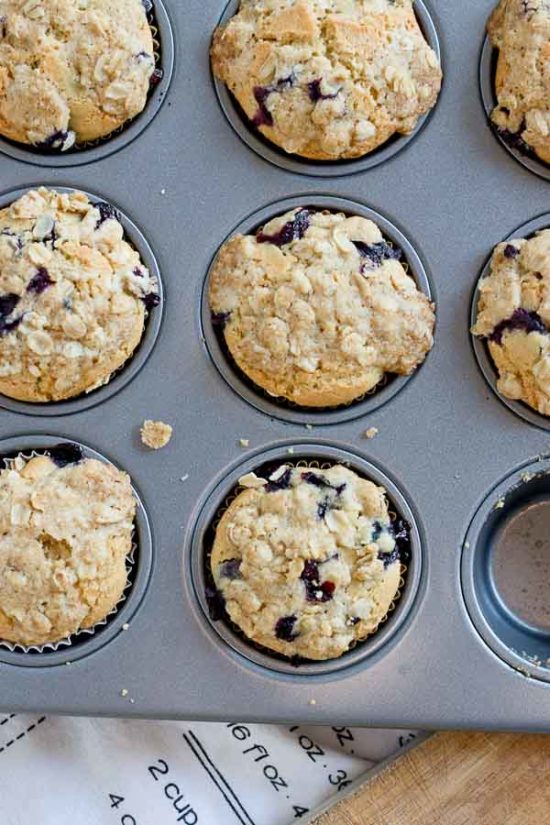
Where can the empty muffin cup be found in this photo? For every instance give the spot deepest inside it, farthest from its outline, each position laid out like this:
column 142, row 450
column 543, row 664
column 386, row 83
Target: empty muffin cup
column 250, row 134
column 322, row 378
column 48, row 564
column 62, row 147
column 314, row 466
column 506, row 570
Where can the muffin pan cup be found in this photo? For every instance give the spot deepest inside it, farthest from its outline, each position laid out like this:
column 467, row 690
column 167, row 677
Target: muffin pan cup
column 480, row 345
column 310, row 455
column 281, row 408
column 153, row 320
column 138, row 566
column 103, row 147
column 255, row 140
column 444, row 442
column 487, row 72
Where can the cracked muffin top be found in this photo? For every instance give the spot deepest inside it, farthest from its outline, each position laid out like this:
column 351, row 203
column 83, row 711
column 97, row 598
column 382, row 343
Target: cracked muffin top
column 66, row 525
column 328, row 79
column 72, row 70
column 317, row 307
column 513, row 314
column 73, row 296
column 308, row 561
column 520, row 30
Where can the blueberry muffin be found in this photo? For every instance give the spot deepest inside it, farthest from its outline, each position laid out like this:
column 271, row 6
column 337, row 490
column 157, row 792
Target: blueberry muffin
column 328, row 79
column 66, row 524
column 72, row 70
column 513, row 314
column 307, row 561
column 317, row 307
column 520, row 31
column 73, row 296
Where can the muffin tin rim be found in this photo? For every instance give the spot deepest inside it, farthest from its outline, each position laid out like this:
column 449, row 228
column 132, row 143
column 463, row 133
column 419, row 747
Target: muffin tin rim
column 144, row 564
column 152, row 328
column 292, row 163
column 479, row 345
column 489, row 100
column 130, row 131
column 540, row 465
column 419, row 271
column 226, row 641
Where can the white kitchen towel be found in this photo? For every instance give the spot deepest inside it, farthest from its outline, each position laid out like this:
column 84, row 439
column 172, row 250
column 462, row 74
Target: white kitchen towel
column 65, row 771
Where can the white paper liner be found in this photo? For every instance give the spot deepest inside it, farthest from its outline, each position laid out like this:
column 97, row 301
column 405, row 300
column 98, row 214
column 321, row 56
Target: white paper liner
column 16, row 647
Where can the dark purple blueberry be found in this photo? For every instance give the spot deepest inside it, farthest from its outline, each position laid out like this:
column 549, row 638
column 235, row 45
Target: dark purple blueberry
column 65, row 454
column 106, row 211
column 9, row 326
column 280, row 483
column 389, row 558
column 322, row 508
column 137, row 271
column 353, row 620
column 147, row 5
column 230, row 569
column 284, row 629
column 316, row 480
column 376, row 530
column 311, row 571
column 376, row 253
column 514, row 139
column 3, row 26
column 263, row 116
column 151, row 300
column 216, row 604
column 8, row 303
column 315, row 93
column 520, row 319
column 315, row 591
column 155, row 78
column 293, row 230
column 511, row 251
column 220, row 319
column 320, row 481
column 59, row 141
column 40, row 282
column 54, row 140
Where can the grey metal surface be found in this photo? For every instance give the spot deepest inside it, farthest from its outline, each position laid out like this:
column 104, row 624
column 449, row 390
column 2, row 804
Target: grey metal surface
column 445, row 439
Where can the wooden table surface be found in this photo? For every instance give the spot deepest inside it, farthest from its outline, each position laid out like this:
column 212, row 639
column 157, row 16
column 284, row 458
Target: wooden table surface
column 457, row 779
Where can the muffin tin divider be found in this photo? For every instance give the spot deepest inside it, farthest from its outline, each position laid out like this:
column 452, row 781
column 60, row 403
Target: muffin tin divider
column 446, row 439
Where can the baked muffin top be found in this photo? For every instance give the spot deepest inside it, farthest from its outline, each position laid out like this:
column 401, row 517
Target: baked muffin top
column 308, row 560
column 73, row 295
column 66, row 525
column 513, row 313
column 328, row 79
column 317, row 307
column 72, row 70
column 520, row 30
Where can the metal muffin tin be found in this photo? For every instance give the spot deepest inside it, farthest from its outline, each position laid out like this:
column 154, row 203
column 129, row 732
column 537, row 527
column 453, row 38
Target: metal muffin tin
column 446, row 442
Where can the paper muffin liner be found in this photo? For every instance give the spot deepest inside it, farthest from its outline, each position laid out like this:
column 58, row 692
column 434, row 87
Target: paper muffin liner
column 216, row 602
column 387, row 379
column 80, row 635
